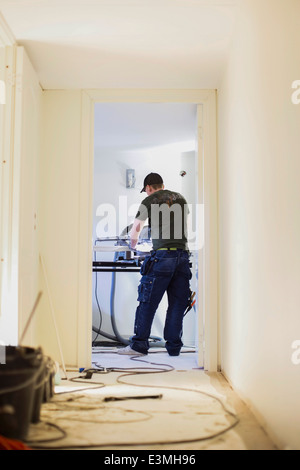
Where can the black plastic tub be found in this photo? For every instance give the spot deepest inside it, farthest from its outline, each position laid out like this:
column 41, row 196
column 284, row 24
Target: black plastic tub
column 39, row 391
column 19, row 378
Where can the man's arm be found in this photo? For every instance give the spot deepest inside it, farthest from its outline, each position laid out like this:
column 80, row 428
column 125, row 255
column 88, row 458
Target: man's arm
column 135, row 232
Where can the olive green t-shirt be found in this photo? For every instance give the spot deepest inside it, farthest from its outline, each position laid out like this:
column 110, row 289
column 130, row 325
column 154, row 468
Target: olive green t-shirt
column 167, row 213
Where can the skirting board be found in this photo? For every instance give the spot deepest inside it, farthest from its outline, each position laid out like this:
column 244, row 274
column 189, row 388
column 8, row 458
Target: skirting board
column 259, row 417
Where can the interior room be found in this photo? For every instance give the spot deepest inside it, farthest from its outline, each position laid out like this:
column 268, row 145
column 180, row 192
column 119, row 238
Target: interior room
column 138, row 138
column 93, row 95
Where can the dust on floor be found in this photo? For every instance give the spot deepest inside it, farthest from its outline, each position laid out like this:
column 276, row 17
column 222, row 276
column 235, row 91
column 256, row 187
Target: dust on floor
column 149, row 403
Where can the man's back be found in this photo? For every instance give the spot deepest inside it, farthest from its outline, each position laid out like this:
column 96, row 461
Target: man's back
column 167, row 213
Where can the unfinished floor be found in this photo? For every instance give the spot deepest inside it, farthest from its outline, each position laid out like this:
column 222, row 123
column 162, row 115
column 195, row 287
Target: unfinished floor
column 151, row 403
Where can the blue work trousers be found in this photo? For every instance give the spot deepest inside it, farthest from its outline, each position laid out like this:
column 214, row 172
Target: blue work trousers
column 164, row 271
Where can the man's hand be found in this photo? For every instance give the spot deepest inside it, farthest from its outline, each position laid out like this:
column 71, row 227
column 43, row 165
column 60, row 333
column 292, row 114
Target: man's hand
column 135, row 232
column 133, row 243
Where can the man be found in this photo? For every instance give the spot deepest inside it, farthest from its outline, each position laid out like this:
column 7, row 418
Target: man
column 167, row 269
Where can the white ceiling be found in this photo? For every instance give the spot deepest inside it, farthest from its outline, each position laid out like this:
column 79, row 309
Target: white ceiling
column 124, row 43
column 144, row 125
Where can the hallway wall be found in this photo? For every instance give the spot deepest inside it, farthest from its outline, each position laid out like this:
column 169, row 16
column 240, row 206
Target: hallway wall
column 59, row 222
column 19, row 227
column 259, row 168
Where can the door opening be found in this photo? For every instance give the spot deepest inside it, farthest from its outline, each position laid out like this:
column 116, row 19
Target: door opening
column 130, row 141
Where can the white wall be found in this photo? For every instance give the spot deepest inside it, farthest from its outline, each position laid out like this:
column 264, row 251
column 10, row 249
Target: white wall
column 109, row 186
column 259, row 168
column 20, row 150
column 59, row 221
column 30, row 151
column 2, row 76
column 9, row 206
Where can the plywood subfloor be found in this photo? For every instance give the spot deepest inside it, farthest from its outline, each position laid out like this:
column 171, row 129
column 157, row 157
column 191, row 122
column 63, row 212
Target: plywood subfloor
column 154, row 402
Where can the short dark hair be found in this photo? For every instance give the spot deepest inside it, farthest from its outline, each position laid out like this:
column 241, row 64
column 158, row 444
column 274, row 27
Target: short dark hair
column 156, row 186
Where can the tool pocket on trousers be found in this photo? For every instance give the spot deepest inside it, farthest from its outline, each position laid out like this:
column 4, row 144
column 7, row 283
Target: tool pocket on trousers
column 145, row 289
column 146, row 265
column 185, row 270
column 164, row 265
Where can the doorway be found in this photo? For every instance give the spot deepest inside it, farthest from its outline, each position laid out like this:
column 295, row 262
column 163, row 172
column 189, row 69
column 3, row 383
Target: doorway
column 130, row 141
column 206, row 101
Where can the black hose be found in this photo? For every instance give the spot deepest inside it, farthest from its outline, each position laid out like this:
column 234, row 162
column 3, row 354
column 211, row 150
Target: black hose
column 102, row 333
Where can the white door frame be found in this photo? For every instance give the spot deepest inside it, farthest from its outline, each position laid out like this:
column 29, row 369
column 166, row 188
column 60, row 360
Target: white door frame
column 6, row 36
column 8, row 305
column 207, row 164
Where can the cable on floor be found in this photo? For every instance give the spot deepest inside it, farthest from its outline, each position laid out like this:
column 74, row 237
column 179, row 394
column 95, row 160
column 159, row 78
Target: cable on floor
column 139, row 371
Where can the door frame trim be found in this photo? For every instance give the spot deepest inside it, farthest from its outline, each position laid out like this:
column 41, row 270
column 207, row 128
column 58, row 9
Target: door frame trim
column 208, row 141
column 6, row 36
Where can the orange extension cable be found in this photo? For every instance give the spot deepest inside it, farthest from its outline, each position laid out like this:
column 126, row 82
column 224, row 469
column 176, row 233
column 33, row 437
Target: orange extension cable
column 11, row 444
